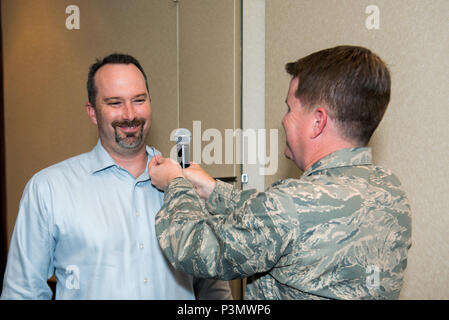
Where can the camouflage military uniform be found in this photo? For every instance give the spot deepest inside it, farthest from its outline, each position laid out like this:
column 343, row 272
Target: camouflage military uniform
column 341, row 231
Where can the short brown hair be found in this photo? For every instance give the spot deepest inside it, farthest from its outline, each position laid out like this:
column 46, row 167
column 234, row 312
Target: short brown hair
column 351, row 81
column 114, row 58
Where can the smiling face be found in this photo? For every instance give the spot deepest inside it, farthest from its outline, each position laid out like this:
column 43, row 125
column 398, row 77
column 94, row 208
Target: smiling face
column 122, row 108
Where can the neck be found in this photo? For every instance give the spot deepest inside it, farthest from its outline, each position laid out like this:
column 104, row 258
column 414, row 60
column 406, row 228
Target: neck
column 134, row 162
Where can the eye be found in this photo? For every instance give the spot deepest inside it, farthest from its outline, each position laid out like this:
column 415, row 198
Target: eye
column 113, row 102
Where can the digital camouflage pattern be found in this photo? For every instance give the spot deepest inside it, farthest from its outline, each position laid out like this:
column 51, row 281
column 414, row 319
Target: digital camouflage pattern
column 341, row 231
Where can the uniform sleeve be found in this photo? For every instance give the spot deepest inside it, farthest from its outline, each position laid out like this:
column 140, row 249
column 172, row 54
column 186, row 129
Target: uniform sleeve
column 210, row 289
column 248, row 233
column 225, row 198
column 30, row 262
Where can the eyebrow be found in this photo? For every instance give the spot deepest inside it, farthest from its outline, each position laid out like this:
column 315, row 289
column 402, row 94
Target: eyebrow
column 141, row 95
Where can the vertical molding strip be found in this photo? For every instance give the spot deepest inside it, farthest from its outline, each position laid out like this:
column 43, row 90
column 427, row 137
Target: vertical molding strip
column 177, row 58
column 3, row 231
column 253, row 82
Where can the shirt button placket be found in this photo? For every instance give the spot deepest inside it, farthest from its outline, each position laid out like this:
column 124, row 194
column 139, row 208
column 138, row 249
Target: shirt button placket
column 138, row 216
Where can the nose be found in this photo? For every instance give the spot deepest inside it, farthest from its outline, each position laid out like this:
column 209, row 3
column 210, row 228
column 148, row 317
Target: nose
column 129, row 113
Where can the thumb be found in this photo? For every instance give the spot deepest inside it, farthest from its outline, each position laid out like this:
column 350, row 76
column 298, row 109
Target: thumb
column 155, row 161
column 160, row 159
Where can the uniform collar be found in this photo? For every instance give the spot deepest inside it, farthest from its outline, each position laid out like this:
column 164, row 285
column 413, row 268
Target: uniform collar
column 101, row 160
column 342, row 158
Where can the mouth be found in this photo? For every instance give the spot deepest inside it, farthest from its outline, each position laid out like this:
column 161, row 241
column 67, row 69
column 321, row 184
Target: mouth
column 128, row 127
column 287, row 152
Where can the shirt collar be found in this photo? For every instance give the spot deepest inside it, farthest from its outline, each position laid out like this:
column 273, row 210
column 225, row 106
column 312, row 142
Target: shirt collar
column 101, row 160
column 342, row 158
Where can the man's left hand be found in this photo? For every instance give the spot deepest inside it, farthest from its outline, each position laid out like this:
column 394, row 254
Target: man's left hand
column 163, row 170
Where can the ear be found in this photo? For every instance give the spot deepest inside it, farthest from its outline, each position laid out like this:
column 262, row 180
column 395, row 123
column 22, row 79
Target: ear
column 320, row 122
column 91, row 112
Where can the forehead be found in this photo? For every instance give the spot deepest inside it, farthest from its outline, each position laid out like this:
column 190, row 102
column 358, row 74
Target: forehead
column 292, row 88
column 119, row 80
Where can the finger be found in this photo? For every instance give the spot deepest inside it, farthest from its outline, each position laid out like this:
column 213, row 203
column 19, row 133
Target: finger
column 174, row 162
column 193, row 166
column 159, row 158
column 153, row 162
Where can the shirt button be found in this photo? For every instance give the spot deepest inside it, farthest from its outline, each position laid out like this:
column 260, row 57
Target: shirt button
column 145, row 280
column 141, row 246
column 138, row 214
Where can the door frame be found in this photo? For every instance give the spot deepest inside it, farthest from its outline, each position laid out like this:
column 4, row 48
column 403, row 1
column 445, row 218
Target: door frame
column 3, row 231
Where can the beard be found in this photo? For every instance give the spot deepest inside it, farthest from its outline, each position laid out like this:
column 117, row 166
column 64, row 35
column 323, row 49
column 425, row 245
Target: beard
column 130, row 140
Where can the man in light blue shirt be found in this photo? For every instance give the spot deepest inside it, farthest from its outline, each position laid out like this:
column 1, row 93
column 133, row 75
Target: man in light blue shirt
column 89, row 220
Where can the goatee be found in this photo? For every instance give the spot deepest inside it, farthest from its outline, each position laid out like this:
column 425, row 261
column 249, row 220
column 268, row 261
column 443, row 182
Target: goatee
column 130, row 140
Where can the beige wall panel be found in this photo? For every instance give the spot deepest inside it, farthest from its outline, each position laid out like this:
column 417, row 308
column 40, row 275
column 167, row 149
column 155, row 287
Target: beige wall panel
column 45, row 71
column 412, row 140
column 209, row 54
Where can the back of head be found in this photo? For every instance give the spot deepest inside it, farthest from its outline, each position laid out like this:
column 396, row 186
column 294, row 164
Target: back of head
column 114, row 58
column 351, row 82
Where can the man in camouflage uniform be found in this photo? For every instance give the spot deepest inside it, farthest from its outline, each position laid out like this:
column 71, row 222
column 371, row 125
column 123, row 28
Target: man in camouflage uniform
column 340, row 231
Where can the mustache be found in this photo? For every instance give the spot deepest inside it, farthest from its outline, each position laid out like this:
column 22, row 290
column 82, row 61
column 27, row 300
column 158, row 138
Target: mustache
column 128, row 123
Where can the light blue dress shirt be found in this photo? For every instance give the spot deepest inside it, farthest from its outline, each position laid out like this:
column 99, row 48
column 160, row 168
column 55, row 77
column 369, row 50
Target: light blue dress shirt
column 91, row 223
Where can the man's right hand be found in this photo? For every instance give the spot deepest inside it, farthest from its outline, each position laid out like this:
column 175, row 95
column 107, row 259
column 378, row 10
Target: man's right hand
column 204, row 183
